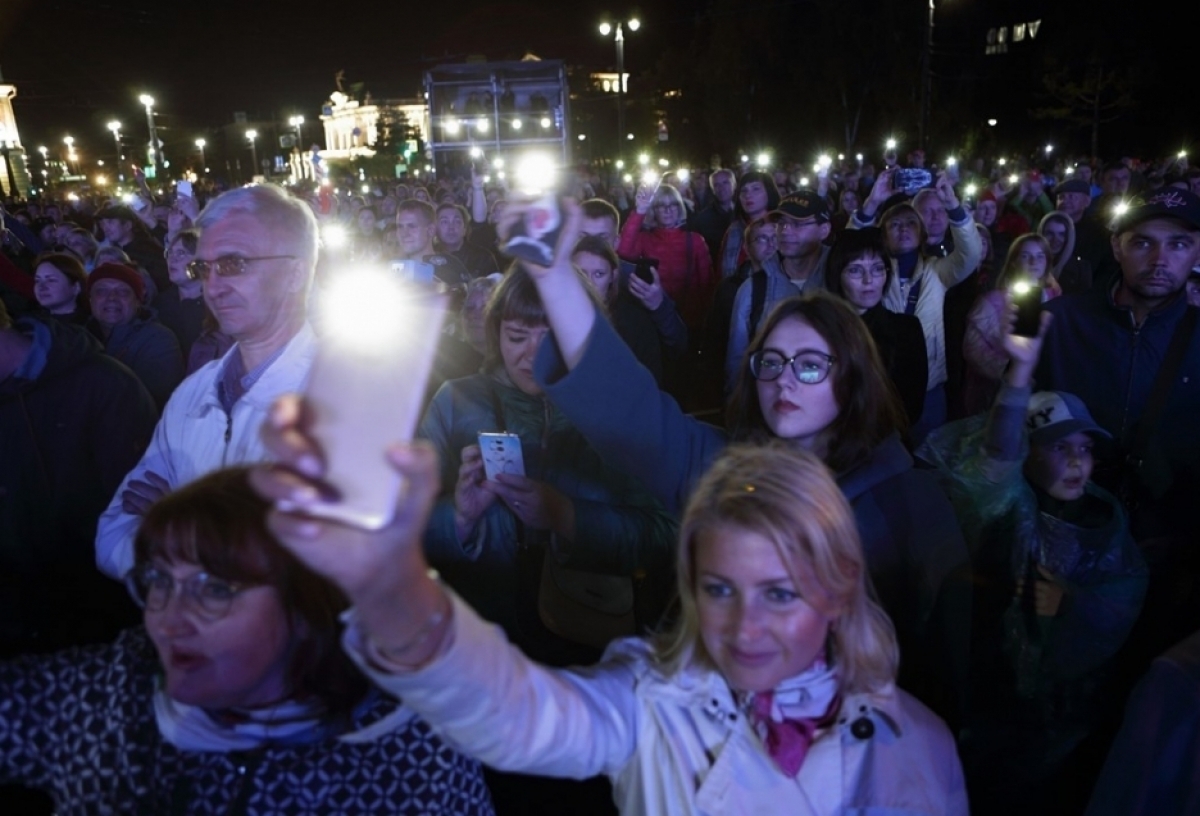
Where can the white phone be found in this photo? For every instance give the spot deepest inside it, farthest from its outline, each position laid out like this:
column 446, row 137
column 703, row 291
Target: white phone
column 184, row 188
column 501, row 454
column 366, row 392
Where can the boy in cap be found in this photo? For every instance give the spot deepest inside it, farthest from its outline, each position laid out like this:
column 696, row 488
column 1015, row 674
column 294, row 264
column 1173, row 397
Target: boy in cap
column 1058, row 582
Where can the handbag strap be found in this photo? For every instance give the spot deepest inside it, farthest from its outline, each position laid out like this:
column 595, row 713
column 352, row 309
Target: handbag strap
column 1161, row 389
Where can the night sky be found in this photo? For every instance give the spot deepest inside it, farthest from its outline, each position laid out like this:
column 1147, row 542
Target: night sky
column 79, row 63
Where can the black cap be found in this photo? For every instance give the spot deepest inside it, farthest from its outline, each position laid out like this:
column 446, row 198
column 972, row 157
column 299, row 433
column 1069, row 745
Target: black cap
column 1167, row 202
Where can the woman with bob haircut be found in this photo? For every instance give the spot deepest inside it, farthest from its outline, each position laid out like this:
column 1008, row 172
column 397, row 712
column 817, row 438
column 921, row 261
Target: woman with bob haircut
column 755, row 196
column 811, row 376
column 772, row 693
column 233, row 697
column 857, row 270
column 567, row 513
column 657, row 229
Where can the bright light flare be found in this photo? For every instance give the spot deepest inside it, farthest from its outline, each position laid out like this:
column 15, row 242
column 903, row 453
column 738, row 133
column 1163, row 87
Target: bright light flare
column 890, row 144
column 452, row 127
column 1121, row 208
column 683, row 174
column 333, row 236
column 763, row 159
column 536, row 173
column 476, row 152
column 365, row 310
column 650, row 178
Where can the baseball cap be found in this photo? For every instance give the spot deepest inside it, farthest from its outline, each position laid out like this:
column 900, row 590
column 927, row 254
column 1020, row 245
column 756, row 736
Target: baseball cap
column 1167, row 202
column 1055, row 414
column 1073, row 186
column 802, row 204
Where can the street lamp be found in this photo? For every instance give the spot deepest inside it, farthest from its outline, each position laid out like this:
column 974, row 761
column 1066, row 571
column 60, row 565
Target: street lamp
column 619, row 38
column 115, row 127
column 69, row 141
column 200, row 143
column 148, row 101
column 297, row 122
column 252, row 136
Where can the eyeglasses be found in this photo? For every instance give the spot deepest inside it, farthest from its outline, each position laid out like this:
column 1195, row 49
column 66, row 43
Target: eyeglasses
column 810, row 367
column 866, row 273
column 665, row 205
column 228, row 266
column 152, row 588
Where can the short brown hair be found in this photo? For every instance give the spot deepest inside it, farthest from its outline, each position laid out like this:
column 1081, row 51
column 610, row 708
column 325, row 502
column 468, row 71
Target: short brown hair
column 220, row 523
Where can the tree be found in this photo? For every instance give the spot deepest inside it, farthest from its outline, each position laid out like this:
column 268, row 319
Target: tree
column 1089, row 95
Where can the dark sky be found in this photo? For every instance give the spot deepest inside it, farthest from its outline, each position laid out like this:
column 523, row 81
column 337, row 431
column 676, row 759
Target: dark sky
column 80, row 63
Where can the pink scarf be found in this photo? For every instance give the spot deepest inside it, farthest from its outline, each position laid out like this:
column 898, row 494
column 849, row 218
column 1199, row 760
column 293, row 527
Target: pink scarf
column 787, row 718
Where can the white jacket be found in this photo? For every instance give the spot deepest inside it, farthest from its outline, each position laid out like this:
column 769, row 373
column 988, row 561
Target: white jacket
column 671, row 746
column 195, row 436
column 936, row 276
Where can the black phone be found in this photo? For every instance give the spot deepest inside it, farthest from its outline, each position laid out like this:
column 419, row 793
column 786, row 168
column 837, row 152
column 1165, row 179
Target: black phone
column 642, row 268
column 1028, row 300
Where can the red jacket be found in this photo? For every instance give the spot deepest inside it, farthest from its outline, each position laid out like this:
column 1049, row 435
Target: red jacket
column 691, row 287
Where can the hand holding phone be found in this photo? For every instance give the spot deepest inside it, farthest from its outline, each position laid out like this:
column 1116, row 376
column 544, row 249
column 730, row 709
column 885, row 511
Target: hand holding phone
column 1027, row 297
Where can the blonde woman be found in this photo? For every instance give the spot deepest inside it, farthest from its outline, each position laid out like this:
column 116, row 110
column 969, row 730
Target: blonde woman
column 774, row 692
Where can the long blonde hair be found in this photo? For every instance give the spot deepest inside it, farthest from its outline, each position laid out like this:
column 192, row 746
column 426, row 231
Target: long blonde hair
column 790, row 498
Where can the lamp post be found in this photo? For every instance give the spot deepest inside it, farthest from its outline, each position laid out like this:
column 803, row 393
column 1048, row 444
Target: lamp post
column 926, row 80
column 200, row 143
column 69, row 141
column 619, row 38
column 298, row 123
column 252, row 136
column 115, row 127
column 148, row 101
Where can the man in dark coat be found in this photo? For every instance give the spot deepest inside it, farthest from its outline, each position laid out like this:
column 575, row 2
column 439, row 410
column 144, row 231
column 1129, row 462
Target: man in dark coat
column 74, row 422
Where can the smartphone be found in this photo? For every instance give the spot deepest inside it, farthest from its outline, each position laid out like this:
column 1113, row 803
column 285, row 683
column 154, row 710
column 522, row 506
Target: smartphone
column 184, row 188
column 535, row 236
column 138, row 203
column 414, row 271
column 366, row 391
column 1028, row 299
column 911, row 179
column 642, row 268
column 501, row 454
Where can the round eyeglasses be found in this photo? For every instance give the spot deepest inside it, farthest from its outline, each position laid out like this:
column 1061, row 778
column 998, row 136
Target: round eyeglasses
column 152, row 588
column 809, row 367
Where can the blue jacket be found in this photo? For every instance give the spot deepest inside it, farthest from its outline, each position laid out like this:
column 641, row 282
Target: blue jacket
column 913, row 546
column 1095, row 351
column 620, row 529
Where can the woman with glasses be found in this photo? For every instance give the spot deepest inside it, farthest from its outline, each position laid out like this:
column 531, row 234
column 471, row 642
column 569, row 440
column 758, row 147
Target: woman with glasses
column 235, row 696
column 771, row 692
column 811, row 376
column 657, row 230
column 858, row 271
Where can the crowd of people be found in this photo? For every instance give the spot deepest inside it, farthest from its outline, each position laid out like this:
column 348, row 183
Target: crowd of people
column 832, row 497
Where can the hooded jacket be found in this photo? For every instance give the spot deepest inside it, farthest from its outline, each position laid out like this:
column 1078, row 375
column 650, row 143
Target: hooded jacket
column 1072, row 272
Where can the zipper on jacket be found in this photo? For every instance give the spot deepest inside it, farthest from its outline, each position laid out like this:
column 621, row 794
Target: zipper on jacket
column 228, row 436
column 1133, row 344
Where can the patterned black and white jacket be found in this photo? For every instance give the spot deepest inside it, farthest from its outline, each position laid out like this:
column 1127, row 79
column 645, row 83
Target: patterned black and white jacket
column 80, row 725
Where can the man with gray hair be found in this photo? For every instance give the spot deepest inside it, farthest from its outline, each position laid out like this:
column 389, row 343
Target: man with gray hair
column 256, row 257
